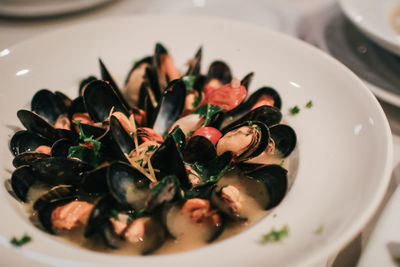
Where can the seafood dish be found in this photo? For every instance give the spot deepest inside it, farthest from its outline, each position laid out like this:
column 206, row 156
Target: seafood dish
column 170, row 161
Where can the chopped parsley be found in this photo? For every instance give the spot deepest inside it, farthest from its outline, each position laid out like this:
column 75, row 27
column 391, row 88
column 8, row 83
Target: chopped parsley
column 207, row 111
column 88, row 150
column 275, row 236
column 309, row 104
column 190, row 134
column 294, row 110
column 140, row 162
column 151, row 148
column 319, row 230
column 197, row 101
column 189, row 82
column 22, row 241
column 282, row 163
column 114, row 214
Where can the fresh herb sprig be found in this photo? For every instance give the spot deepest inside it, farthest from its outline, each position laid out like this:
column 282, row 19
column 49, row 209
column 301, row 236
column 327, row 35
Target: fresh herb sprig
column 275, row 235
column 22, row 241
column 208, row 111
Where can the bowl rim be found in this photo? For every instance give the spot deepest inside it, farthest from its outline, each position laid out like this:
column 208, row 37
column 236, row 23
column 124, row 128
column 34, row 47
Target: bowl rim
column 353, row 230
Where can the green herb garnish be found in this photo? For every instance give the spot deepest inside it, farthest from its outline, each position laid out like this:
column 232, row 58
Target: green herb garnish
column 190, row 134
column 275, row 236
column 140, row 162
column 319, row 230
column 294, row 110
column 282, row 162
column 22, row 241
column 114, row 214
column 309, row 104
column 189, row 82
column 207, row 111
column 151, row 148
column 88, row 150
column 197, row 101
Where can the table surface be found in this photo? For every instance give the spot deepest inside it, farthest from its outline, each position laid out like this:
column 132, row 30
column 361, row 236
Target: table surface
column 13, row 30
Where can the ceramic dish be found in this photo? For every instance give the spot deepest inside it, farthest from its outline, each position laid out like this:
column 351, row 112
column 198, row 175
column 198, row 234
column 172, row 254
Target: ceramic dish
column 376, row 18
column 45, row 8
column 344, row 141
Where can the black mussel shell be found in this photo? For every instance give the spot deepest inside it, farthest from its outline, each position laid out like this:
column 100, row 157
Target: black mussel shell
column 274, row 178
column 61, row 148
column 217, row 201
column 164, row 191
column 38, row 125
column 106, row 76
column 95, row 181
column 56, row 193
column 44, row 214
column 27, row 157
column 77, row 106
column 67, row 134
column 99, row 98
column 123, row 140
column 154, row 234
column 199, row 149
column 170, row 106
column 85, row 82
column 179, row 138
column 284, row 138
column 219, row 70
column 56, row 171
column 256, row 148
column 168, row 160
column 21, row 181
column 266, row 114
column 48, row 105
column 64, row 98
column 172, row 214
column 128, row 185
column 134, row 81
column 195, row 63
column 247, row 80
column 24, row 141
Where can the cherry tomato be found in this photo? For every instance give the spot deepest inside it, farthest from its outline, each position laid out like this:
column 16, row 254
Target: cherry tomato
column 210, row 133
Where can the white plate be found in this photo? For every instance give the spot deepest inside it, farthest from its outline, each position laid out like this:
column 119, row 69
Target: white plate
column 373, row 18
column 344, row 141
column 42, row 8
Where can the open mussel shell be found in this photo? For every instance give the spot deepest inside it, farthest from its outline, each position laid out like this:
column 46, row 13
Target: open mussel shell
column 36, row 124
column 99, row 223
column 219, row 70
column 24, row 141
column 44, row 214
column 195, row 63
column 153, row 236
column 274, row 179
column 106, row 76
column 123, row 141
column 61, row 148
column 48, row 105
column 180, row 226
column 199, row 149
column 218, row 202
column 64, row 98
column 21, row 181
column 128, row 185
column 246, row 140
column 170, row 106
column 134, row 80
column 99, row 98
column 85, row 82
column 168, row 160
column 284, row 138
column 256, row 99
column 95, row 181
column 55, row 193
column 247, row 80
column 165, row 191
column 266, row 114
column 27, row 157
column 56, row 171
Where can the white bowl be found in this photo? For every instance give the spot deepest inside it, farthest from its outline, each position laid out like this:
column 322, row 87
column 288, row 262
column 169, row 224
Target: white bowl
column 344, row 141
column 372, row 17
